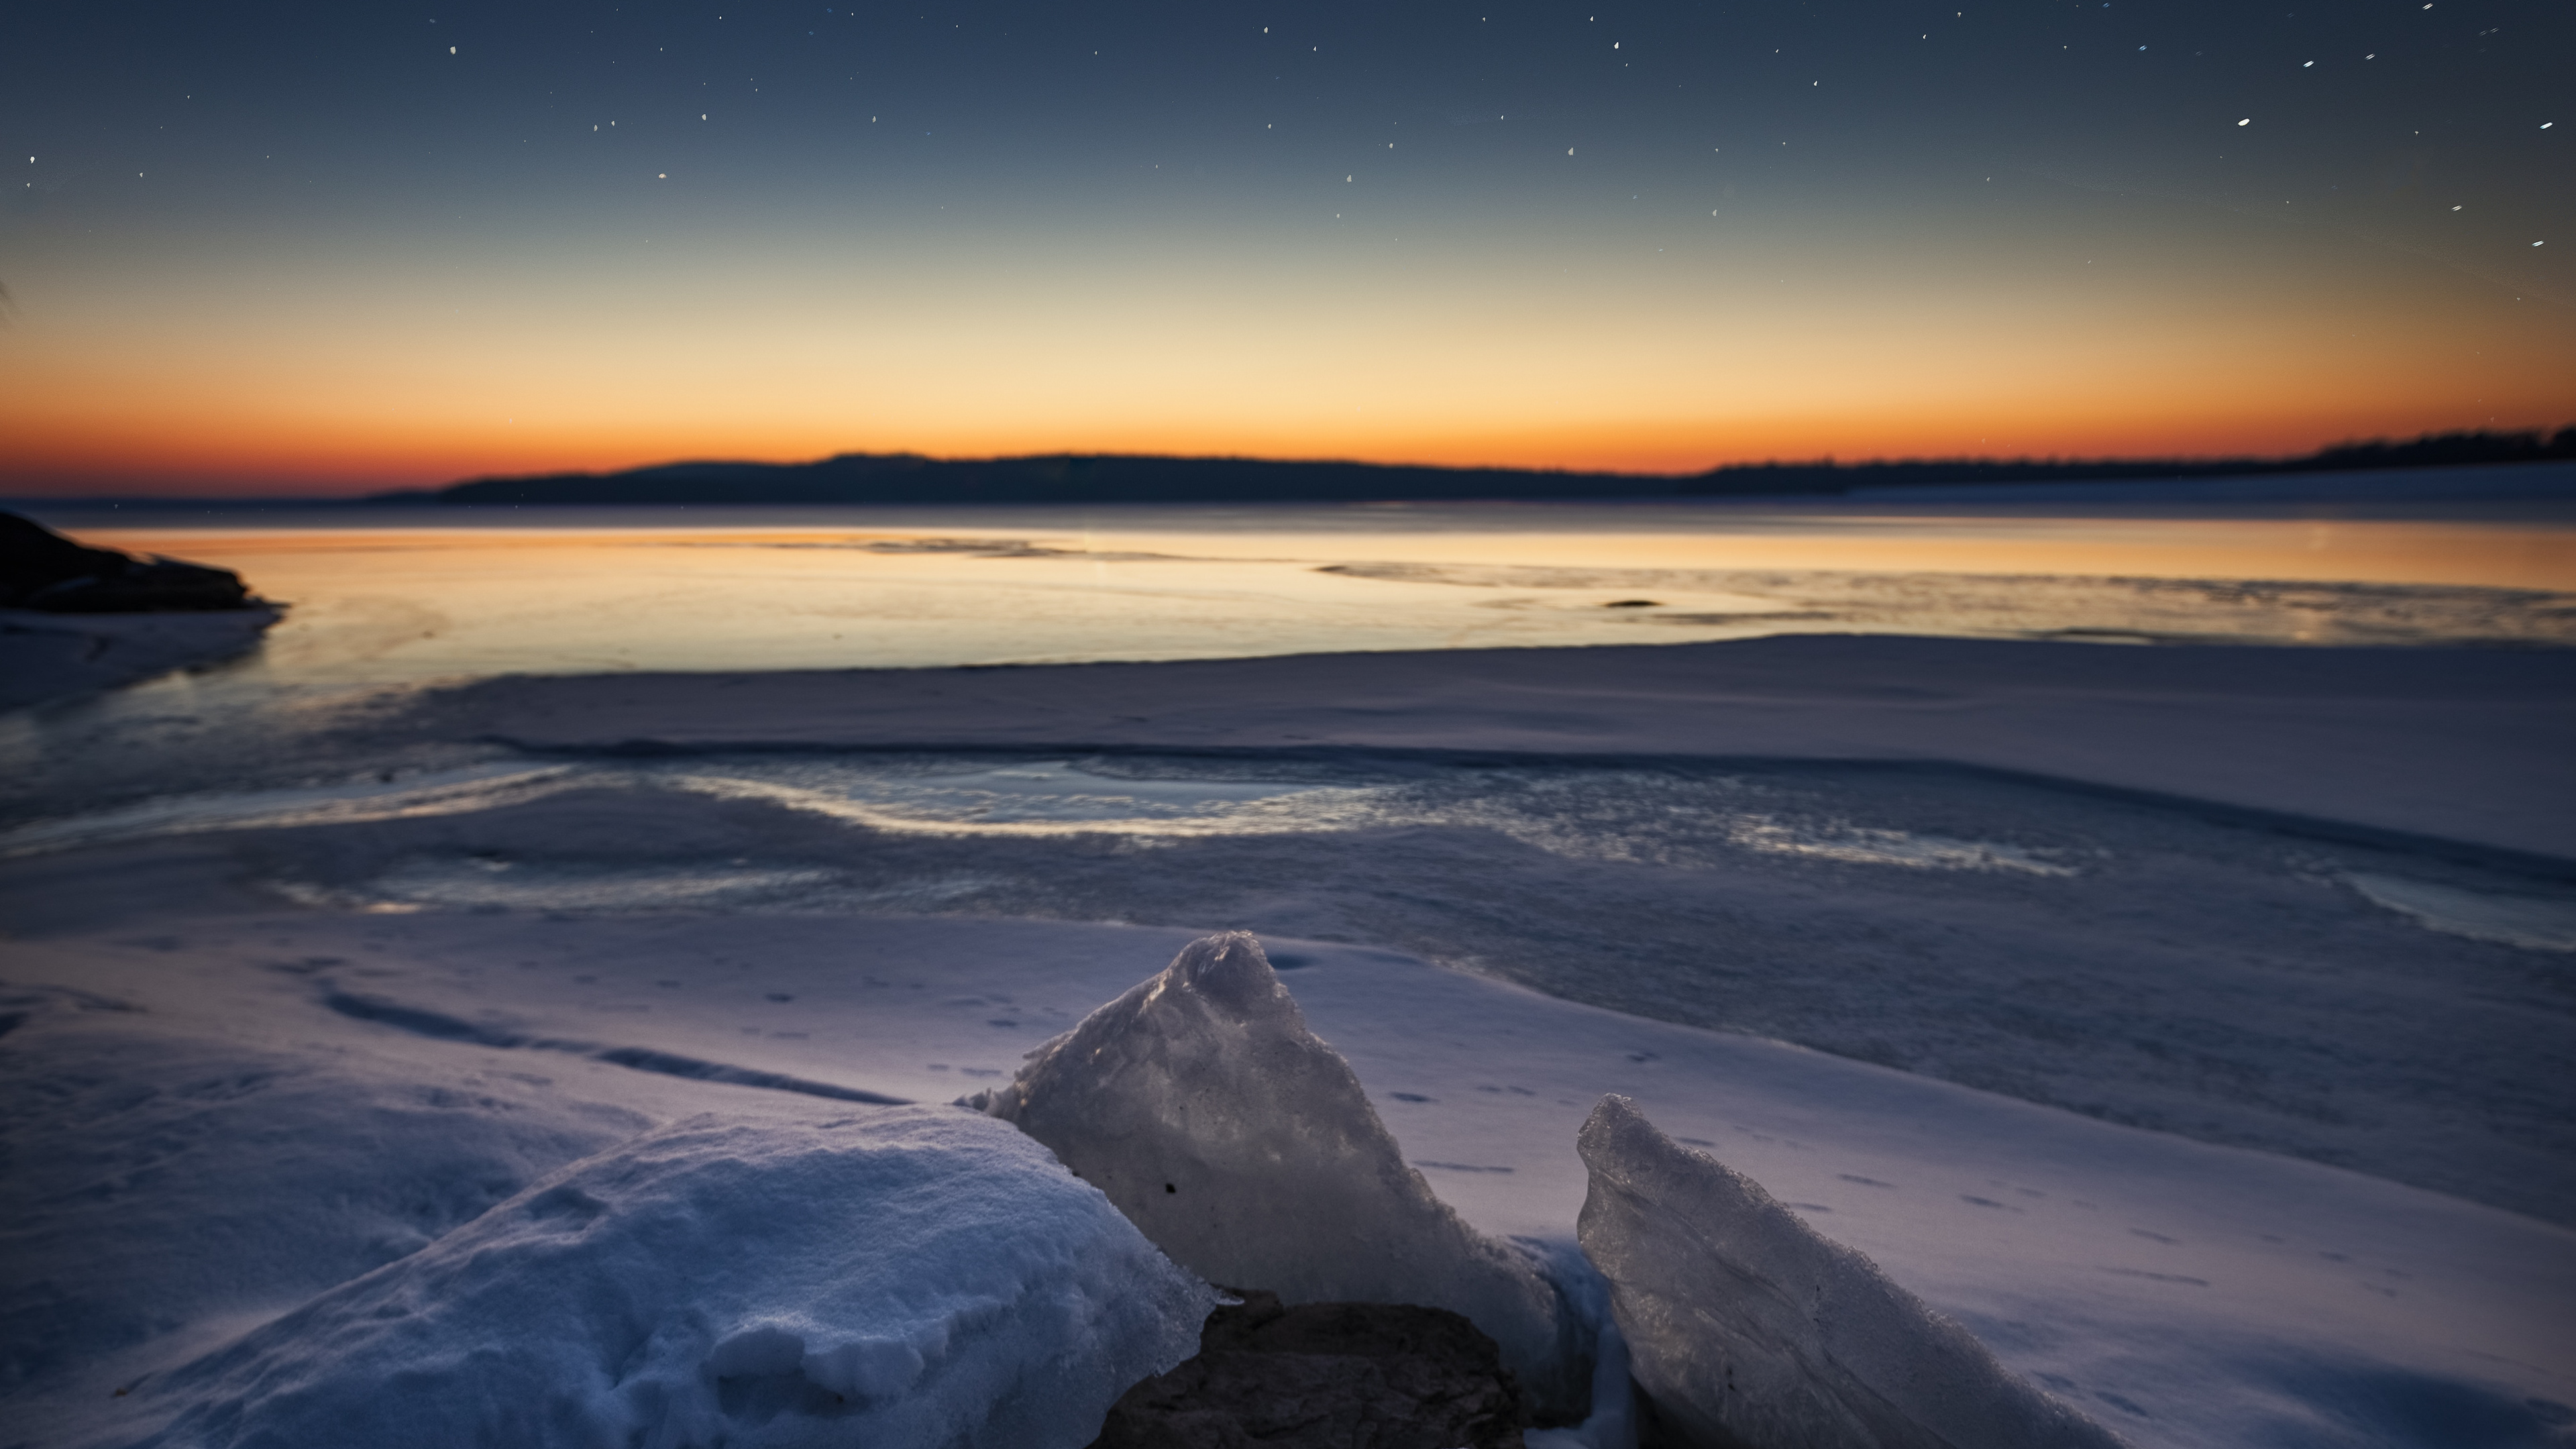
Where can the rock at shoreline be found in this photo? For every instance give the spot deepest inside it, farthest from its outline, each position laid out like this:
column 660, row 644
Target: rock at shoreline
column 74, row 620
column 1325, row 1376
column 46, row 572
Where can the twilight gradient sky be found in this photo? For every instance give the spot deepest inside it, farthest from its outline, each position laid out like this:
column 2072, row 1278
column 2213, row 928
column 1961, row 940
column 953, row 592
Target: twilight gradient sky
column 278, row 249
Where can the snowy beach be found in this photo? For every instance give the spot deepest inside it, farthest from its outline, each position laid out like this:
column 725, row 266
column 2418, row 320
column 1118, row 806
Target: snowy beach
column 2184, row 1022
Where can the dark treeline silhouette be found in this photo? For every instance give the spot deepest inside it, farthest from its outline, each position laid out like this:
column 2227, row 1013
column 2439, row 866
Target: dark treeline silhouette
column 1132, row 478
column 2434, row 450
column 909, row 478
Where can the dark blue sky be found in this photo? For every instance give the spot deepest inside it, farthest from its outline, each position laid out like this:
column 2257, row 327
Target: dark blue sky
column 250, row 168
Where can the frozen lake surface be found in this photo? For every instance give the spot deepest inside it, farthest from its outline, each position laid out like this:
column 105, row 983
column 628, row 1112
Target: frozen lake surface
column 2389, row 1008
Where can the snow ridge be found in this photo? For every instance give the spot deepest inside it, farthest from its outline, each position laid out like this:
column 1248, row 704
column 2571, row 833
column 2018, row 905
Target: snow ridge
column 441, row 1027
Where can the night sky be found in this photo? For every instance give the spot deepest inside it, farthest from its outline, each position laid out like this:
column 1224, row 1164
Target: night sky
column 331, row 249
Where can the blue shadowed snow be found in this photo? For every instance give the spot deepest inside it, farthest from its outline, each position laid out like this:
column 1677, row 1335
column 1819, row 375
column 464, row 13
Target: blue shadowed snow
column 901, row 1276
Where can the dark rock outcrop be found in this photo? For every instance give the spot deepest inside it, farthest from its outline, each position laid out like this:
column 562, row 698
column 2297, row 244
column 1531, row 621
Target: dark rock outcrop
column 1325, row 1376
column 42, row 570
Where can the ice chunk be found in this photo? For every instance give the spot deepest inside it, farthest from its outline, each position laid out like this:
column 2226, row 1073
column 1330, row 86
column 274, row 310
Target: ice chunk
column 1243, row 1145
column 1746, row 1327
column 899, row 1276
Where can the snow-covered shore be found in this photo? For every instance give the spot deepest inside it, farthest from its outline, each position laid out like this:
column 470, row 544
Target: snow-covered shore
column 233, row 1117
column 233, row 1113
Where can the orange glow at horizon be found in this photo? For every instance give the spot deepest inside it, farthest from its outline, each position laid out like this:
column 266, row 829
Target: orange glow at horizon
column 223, row 455
column 334, row 381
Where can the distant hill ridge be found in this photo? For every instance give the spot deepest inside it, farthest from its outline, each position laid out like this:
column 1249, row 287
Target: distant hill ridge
column 1145, row 478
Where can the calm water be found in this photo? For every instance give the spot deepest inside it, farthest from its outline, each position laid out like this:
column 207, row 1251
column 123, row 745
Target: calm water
column 404, row 596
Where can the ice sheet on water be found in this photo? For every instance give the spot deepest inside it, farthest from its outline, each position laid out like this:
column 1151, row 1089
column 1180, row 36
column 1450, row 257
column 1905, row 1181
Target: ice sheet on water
column 2531, row 921
column 1244, row 1146
column 50, row 656
column 479, row 882
column 459, row 791
column 1863, row 845
column 1658, row 817
column 1746, row 1326
column 900, row 1276
column 1034, row 798
column 2099, row 608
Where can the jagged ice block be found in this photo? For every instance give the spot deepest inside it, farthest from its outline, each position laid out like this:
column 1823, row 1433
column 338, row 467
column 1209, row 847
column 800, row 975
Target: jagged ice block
column 1747, row 1329
column 1243, row 1146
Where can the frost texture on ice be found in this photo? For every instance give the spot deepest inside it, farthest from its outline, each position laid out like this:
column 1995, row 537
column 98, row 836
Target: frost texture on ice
column 1244, row 1146
column 1745, row 1327
column 908, row 1276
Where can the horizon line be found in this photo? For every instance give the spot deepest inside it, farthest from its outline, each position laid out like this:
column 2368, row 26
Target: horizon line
column 2478, row 446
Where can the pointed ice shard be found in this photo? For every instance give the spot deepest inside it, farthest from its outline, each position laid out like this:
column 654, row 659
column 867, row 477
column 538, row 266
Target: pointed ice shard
column 1243, row 1146
column 1745, row 1327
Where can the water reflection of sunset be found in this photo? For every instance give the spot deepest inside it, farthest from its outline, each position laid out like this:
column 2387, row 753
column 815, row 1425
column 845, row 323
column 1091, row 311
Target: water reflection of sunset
column 959, row 587
column 2491, row 555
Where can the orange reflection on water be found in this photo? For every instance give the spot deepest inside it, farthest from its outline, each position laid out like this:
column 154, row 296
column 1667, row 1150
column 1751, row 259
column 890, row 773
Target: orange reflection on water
column 392, row 603
column 2520, row 555
column 2360, row 551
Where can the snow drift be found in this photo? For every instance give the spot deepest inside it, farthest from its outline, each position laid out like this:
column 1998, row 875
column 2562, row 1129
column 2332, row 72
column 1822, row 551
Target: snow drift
column 907, row 1276
column 1747, row 1328
column 1244, row 1146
